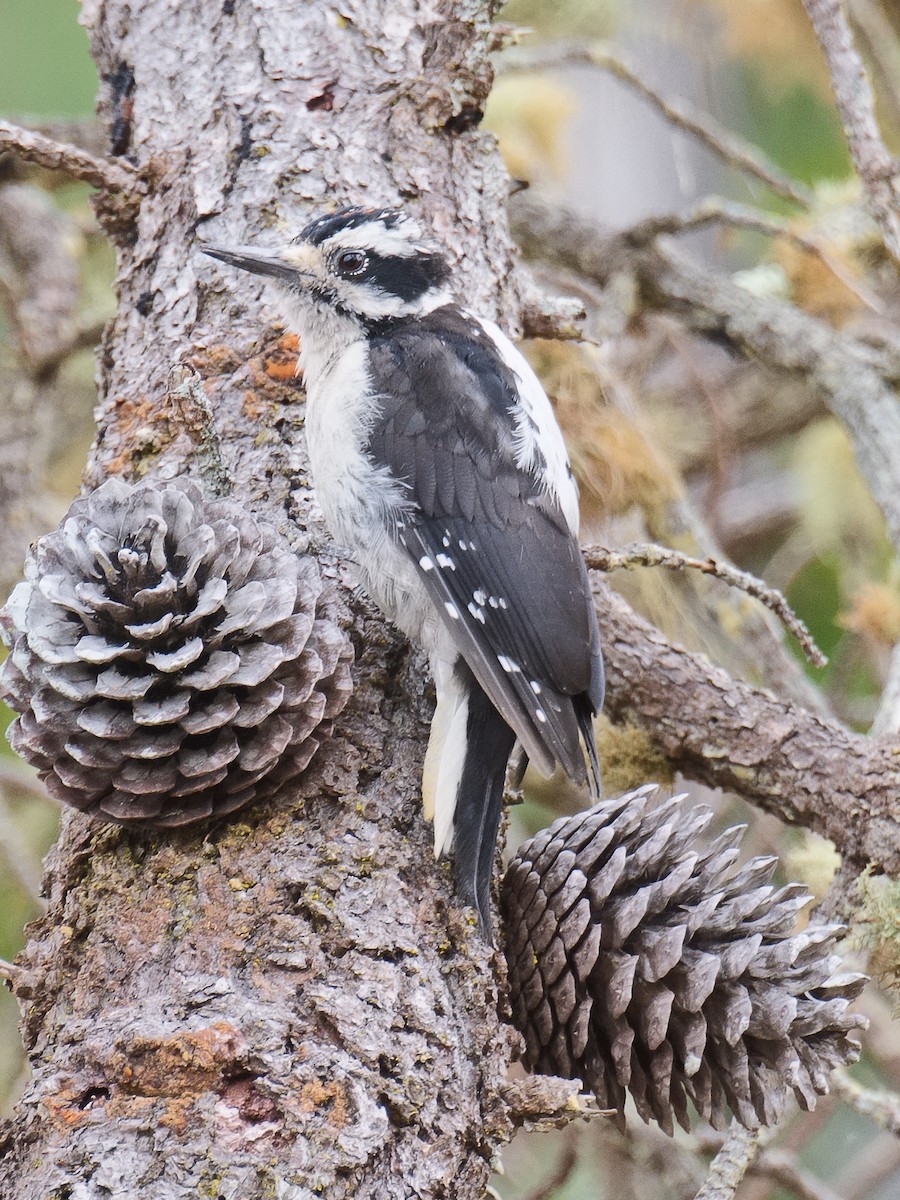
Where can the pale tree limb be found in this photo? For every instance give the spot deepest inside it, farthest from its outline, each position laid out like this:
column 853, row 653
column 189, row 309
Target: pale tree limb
column 879, row 41
column 805, row 768
column 714, row 210
column 728, row 146
column 10, row 972
column 876, row 166
column 100, row 173
column 881, row 1107
column 643, row 554
column 776, row 1165
column 856, row 381
column 731, row 1163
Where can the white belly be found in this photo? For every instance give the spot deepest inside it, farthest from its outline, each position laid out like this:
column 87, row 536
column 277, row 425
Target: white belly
column 360, row 501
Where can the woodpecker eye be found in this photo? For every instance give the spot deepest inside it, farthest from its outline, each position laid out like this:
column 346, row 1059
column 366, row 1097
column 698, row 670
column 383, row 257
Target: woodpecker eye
column 350, row 263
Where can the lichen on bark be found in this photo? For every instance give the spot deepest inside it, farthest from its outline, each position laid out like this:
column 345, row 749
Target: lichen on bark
column 290, row 1003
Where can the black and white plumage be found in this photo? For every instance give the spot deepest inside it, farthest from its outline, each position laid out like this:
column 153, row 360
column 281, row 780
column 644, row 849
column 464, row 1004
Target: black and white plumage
column 437, row 460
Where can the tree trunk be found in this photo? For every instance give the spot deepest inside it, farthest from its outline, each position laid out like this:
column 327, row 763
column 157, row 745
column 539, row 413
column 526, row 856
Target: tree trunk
column 287, row 1004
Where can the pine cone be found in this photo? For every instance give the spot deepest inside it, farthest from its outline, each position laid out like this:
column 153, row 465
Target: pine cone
column 639, row 961
column 171, row 657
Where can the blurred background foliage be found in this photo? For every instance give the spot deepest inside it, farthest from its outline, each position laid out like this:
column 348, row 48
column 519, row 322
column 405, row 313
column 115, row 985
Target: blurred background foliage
column 672, row 437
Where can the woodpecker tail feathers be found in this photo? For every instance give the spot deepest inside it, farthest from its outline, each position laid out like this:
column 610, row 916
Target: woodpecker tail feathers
column 479, row 803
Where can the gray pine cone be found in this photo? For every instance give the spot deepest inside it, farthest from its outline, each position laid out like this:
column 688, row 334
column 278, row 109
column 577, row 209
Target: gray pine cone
column 171, row 658
column 640, row 961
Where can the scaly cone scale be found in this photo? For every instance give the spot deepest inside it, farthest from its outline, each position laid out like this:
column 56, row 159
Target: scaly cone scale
column 171, row 658
column 640, row 962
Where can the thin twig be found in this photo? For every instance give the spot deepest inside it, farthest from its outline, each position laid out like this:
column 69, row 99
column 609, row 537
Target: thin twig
column 560, row 1174
column 730, row 1164
column 10, row 972
column 779, row 1166
column 62, row 156
column 732, row 149
column 712, row 210
column 879, row 42
column 881, row 1107
column 876, row 166
column 645, row 554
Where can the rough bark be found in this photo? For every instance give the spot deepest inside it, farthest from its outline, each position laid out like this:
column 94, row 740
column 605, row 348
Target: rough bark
column 288, row 1004
column 800, row 765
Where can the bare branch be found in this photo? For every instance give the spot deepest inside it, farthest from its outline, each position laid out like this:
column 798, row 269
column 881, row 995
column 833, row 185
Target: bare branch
column 879, row 42
column 10, row 972
column 731, row 148
column 876, row 166
column 801, row 766
column 855, row 380
column 881, row 1107
column 777, row 1165
column 713, row 210
column 731, row 1164
column 62, row 156
column 643, row 554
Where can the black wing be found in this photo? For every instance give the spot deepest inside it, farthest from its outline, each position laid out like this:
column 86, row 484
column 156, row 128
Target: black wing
column 492, row 548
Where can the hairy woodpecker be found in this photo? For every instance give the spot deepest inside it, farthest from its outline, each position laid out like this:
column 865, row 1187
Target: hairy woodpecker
column 438, row 462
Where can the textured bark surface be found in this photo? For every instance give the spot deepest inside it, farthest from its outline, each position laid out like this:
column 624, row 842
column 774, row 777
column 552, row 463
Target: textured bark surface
column 288, row 1004
column 800, row 765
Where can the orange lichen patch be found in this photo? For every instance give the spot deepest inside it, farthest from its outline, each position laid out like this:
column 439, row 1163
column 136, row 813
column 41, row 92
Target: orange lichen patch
column 217, row 360
column 315, row 1095
column 64, row 1109
column 176, row 1113
column 875, row 614
column 281, row 363
column 821, row 289
column 253, row 407
column 182, row 1065
column 136, row 427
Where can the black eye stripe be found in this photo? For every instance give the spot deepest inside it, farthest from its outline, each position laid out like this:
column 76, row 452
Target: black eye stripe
column 404, row 277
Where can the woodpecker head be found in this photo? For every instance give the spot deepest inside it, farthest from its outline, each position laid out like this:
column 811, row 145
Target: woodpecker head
column 372, row 264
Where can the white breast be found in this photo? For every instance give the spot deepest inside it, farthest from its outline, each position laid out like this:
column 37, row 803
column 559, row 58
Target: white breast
column 361, row 502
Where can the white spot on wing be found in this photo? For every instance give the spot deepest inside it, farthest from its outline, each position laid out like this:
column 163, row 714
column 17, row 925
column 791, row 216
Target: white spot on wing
column 452, row 610
column 541, row 715
column 508, row 665
column 444, row 560
column 535, row 687
column 426, row 563
column 477, row 613
column 479, row 596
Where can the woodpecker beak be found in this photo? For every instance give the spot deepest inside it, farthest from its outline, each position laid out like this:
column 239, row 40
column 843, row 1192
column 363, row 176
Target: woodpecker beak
column 257, row 262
